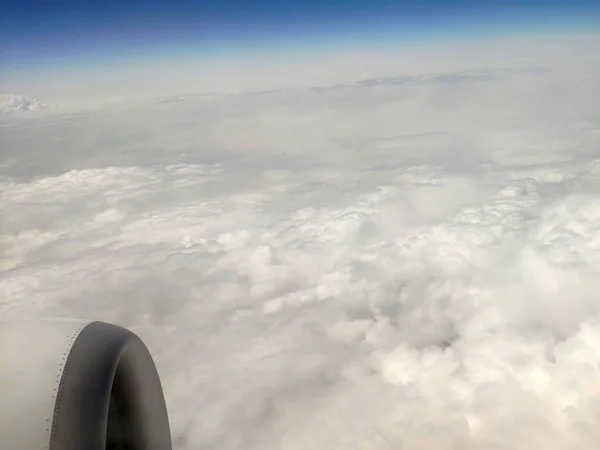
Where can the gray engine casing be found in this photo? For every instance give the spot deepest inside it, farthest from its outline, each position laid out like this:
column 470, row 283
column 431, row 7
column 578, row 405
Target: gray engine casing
column 78, row 385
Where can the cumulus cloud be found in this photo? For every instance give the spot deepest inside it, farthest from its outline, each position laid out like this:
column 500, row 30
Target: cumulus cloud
column 11, row 103
column 376, row 265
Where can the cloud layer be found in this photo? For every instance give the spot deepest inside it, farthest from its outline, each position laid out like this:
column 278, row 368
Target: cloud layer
column 400, row 263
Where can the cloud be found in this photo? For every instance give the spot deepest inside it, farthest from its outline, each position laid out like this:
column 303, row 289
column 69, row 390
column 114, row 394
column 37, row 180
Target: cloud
column 11, row 103
column 388, row 265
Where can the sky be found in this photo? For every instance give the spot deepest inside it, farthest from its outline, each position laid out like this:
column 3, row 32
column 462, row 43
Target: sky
column 382, row 241
column 43, row 34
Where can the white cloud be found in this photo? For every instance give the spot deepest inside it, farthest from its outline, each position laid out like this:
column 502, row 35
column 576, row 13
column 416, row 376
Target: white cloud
column 377, row 265
column 11, row 103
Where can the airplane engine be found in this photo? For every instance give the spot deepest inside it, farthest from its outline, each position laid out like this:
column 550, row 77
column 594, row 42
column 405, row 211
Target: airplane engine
column 78, row 385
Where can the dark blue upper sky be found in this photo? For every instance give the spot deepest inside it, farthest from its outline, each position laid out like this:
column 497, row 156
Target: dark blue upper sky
column 43, row 31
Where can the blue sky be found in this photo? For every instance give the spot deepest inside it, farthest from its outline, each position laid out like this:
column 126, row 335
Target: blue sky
column 49, row 32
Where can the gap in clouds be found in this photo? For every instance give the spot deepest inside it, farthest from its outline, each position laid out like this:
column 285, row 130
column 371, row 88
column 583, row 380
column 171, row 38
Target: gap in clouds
column 402, row 262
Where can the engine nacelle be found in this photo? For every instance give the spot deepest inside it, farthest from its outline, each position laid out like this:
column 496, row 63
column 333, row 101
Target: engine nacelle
column 78, row 385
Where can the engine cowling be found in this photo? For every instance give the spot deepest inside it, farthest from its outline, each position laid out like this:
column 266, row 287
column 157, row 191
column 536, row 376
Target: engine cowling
column 78, row 385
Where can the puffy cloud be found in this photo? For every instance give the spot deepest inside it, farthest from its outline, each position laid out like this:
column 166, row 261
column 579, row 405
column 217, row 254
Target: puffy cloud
column 375, row 265
column 11, row 103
